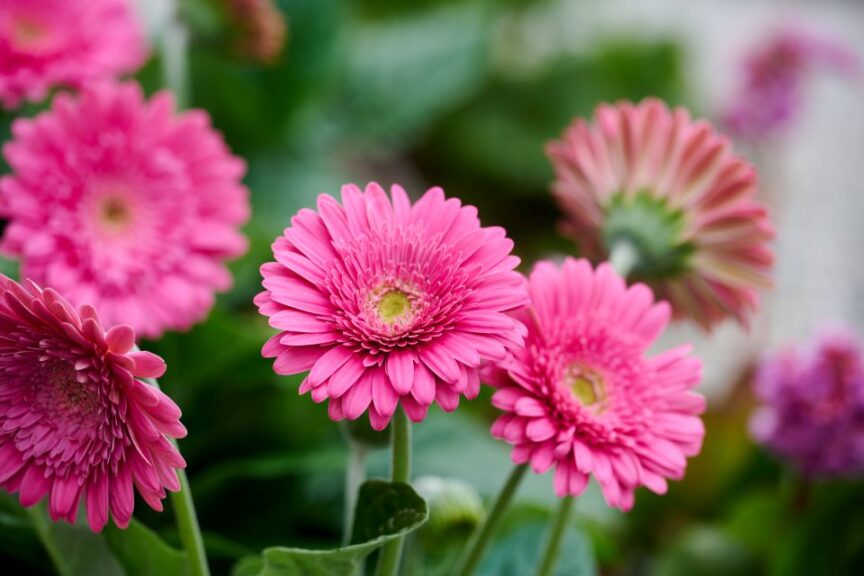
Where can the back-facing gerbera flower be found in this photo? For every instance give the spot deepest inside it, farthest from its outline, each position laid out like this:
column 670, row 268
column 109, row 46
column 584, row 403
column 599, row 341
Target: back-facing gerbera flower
column 121, row 203
column 812, row 405
column 76, row 421
column 390, row 303
column 654, row 182
column 583, row 396
column 50, row 43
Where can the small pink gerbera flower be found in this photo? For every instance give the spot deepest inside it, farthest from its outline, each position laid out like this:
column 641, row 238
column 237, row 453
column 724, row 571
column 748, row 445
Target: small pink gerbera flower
column 120, row 202
column 583, row 397
column 49, row 43
column 670, row 190
column 76, row 421
column 390, row 303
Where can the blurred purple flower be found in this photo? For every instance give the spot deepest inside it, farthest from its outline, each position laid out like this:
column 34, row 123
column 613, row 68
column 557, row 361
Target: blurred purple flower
column 813, row 405
column 770, row 94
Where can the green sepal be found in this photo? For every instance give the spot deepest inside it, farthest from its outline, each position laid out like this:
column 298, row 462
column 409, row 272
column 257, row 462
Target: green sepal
column 653, row 228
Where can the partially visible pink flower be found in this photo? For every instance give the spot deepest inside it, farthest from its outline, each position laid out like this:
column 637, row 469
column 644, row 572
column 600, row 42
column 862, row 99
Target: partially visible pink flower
column 583, row 396
column 390, row 304
column 770, row 93
column 670, row 189
column 50, row 43
column 812, row 405
column 125, row 204
column 76, row 421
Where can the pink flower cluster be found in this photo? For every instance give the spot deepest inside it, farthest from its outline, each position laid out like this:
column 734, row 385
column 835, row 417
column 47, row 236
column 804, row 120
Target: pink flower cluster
column 773, row 78
column 812, row 405
column 131, row 209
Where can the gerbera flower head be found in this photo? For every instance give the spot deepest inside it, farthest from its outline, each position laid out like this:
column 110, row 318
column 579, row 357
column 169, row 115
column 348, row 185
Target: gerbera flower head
column 668, row 188
column 812, row 405
column 119, row 202
column 583, row 396
column 50, row 43
column 388, row 303
column 76, row 421
column 774, row 75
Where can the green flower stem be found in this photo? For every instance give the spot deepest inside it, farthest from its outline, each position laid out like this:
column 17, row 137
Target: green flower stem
column 355, row 474
column 483, row 534
column 187, row 524
column 187, row 520
column 400, row 471
column 39, row 519
column 623, row 257
column 553, row 546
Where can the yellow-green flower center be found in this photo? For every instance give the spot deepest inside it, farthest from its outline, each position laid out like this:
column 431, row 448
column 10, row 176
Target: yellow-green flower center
column 28, row 34
column 114, row 214
column 393, row 305
column 586, row 385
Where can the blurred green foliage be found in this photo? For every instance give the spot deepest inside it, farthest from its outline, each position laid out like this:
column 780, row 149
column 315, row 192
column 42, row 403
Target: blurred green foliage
column 424, row 93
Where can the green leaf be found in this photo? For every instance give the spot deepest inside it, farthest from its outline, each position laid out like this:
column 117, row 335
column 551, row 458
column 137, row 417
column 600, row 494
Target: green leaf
column 385, row 511
column 143, row 553
column 519, row 552
column 75, row 550
column 703, row 549
column 403, row 73
column 387, row 508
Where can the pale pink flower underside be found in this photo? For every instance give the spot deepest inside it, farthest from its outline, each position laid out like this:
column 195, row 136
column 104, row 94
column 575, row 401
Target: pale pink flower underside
column 647, row 148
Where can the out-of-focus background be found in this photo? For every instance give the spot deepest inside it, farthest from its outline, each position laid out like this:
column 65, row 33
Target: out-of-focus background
column 464, row 94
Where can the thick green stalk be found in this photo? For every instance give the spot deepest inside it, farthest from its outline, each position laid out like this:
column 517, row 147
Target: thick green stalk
column 482, row 535
column 623, row 257
column 553, row 545
column 400, row 471
column 187, row 520
column 187, row 525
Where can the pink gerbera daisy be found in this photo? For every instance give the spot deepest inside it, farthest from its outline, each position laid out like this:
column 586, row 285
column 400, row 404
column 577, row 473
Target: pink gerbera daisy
column 668, row 189
column 48, row 43
column 120, row 202
column 583, row 396
column 390, row 303
column 76, row 421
